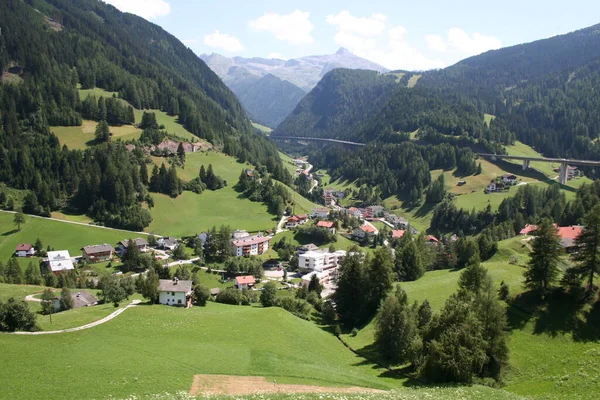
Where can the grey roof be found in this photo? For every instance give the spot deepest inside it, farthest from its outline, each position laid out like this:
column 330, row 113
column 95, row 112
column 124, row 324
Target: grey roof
column 309, row 247
column 137, row 241
column 171, row 285
column 98, row 248
column 215, row 291
column 83, row 299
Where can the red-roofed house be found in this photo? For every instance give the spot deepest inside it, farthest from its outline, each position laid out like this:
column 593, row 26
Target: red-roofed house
column 364, row 231
column 430, row 239
column 327, row 225
column 528, row 229
column 568, row 234
column 302, row 217
column 397, row 234
column 292, row 222
column 244, row 282
column 355, row 212
column 24, row 250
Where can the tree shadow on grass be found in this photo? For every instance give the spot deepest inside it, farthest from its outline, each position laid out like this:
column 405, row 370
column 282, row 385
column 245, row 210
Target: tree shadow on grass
column 522, row 309
column 588, row 328
column 8, row 233
column 560, row 314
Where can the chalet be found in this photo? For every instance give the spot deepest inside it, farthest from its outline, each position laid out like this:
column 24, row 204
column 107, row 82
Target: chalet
column 244, row 282
column 141, row 244
column 24, row 250
column 364, row 231
column 354, row 212
column 167, row 243
column 321, row 276
column 568, row 234
column 398, row 222
column 320, row 260
column 509, row 178
column 97, row 253
column 528, row 229
column 59, row 261
column 306, row 248
column 250, row 245
column 327, row 225
column 328, row 197
column 292, row 222
column 174, row 292
column 373, row 211
column 491, row 187
column 397, row 234
column 320, row 212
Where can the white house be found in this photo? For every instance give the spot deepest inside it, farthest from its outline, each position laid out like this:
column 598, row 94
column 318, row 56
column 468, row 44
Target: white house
column 24, row 250
column 364, row 231
column 321, row 212
column 320, row 260
column 509, row 178
column 355, row 212
column 292, row 222
column 491, row 187
column 167, row 243
column 244, row 282
column 60, row 261
column 174, row 292
column 250, row 245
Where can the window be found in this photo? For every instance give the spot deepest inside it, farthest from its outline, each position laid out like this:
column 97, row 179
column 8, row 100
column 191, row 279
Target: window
column 173, row 293
column 179, row 301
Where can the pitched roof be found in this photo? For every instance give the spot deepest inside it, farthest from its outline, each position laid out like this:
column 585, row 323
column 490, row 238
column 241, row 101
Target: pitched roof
column 246, row 241
column 321, row 209
column 83, row 299
column 325, row 224
column 301, row 216
column 60, row 260
column 137, row 241
column 97, row 248
column 509, row 176
column 244, row 280
column 293, row 219
column 528, row 229
column 353, row 209
column 173, row 285
column 397, row 234
column 568, row 234
column 24, row 247
column 368, row 229
column 431, row 238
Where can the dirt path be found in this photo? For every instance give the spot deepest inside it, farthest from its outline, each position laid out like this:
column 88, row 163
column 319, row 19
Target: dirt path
column 246, row 385
column 82, row 327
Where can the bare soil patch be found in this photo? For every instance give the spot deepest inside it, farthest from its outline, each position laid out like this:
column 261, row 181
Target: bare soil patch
column 246, row 385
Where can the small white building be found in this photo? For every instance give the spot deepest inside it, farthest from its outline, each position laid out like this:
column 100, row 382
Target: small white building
column 24, row 250
column 167, row 243
column 364, row 231
column 60, row 261
column 354, row 212
column 509, row 178
column 321, row 276
column 174, row 292
column 244, row 282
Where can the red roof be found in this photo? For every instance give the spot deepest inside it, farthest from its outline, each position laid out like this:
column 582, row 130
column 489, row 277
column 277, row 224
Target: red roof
column 24, row 247
column 353, row 209
column 431, row 238
column 244, row 280
column 368, row 229
column 569, row 232
column 397, row 234
column 325, row 224
column 301, row 216
column 250, row 240
column 293, row 219
column 528, row 229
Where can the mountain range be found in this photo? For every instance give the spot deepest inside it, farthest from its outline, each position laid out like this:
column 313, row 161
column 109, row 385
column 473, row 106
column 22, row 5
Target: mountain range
column 269, row 89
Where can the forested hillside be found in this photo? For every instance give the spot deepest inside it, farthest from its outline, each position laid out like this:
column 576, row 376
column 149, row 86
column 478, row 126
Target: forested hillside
column 50, row 48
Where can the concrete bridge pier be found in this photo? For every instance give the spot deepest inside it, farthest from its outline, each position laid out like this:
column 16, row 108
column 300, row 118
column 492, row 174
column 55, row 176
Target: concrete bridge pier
column 563, row 176
column 526, row 164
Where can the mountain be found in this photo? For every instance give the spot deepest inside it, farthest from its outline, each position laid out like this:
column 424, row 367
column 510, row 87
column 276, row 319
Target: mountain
column 48, row 50
column 297, row 76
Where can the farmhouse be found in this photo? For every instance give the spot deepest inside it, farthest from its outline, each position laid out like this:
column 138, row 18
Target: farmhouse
column 24, row 250
column 97, row 253
column 327, row 225
column 244, row 282
column 568, row 234
column 59, row 261
column 355, row 212
column 141, row 244
column 398, row 222
column 167, row 243
column 321, row 276
column 528, row 229
column 250, row 245
column 491, row 187
column 364, row 231
column 509, row 178
column 292, row 222
column 320, row 260
column 397, row 234
column 174, row 292
column 320, row 212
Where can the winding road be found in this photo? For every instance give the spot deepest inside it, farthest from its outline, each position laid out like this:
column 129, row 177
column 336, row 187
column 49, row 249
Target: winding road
column 78, row 328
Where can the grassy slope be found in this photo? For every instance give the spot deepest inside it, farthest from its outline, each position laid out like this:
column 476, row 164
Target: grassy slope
column 262, row 128
column 412, row 81
column 155, row 349
column 544, row 364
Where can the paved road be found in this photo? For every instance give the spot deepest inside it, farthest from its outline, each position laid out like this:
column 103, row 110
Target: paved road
column 82, row 327
column 31, row 298
column 280, row 225
column 82, row 223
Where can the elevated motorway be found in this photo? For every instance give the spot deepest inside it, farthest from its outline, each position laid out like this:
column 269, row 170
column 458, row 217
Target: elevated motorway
column 564, row 163
column 316, row 140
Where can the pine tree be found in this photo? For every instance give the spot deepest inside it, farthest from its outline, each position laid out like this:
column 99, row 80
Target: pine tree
column 102, row 133
column 144, row 174
column 102, row 113
column 202, row 174
column 587, row 254
column 380, row 271
column 13, row 272
column 315, row 285
column 542, row 269
column 210, row 178
column 181, row 153
column 19, row 219
column 66, row 301
column 33, row 275
column 155, row 183
column 411, row 266
column 473, row 277
column 350, row 293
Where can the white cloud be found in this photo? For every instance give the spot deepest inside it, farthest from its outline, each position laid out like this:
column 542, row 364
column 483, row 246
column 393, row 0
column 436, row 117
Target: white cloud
column 293, row 28
column 371, row 38
column 223, row 41
column 148, row 9
column 460, row 42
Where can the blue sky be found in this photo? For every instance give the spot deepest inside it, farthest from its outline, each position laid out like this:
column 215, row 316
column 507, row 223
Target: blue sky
column 396, row 34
